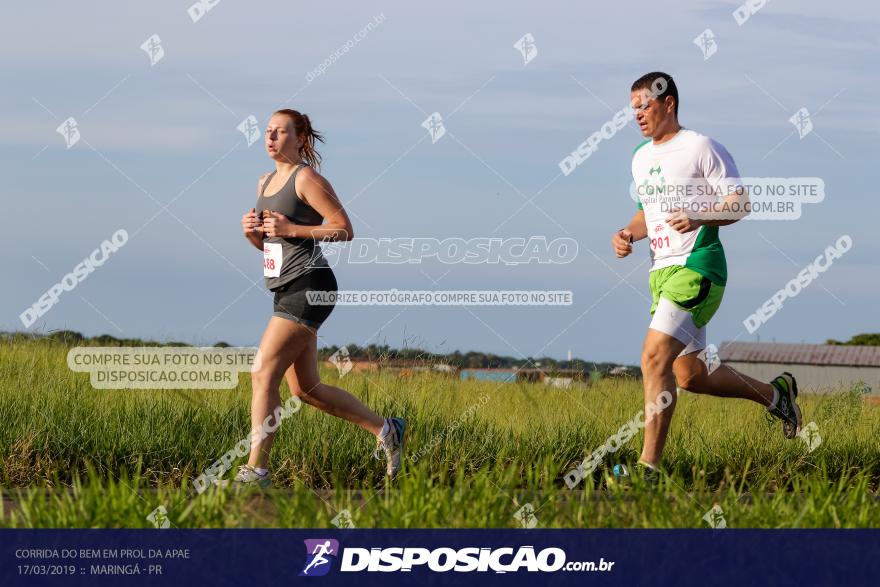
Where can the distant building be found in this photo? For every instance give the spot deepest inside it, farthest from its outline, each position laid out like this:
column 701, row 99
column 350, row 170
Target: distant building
column 362, row 366
column 408, row 367
column 401, row 367
column 557, row 378
column 561, row 382
column 819, row 368
column 499, row 375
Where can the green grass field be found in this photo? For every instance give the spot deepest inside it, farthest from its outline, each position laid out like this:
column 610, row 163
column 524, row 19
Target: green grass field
column 73, row 456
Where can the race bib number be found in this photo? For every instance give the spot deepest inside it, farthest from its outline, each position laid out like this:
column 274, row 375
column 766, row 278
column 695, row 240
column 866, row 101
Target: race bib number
column 664, row 238
column 271, row 259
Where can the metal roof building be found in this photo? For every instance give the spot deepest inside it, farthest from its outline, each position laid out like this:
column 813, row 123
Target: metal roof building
column 819, row 368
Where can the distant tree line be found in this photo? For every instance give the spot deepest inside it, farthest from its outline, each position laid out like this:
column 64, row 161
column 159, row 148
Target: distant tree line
column 372, row 352
column 73, row 338
column 468, row 360
column 858, row 340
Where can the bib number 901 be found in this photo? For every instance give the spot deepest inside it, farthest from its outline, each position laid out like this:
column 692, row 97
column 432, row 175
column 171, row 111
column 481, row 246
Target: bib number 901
column 660, row 242
column 664, row 238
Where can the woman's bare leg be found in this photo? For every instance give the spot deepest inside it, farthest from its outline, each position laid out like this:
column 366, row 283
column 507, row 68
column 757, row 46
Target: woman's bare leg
column 282, row 342
column 304, row 381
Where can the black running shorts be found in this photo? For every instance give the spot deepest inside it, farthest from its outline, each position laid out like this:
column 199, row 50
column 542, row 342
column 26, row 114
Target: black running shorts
column 291, row 301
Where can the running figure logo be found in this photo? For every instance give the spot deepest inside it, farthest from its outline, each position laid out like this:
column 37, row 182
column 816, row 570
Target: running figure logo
column 326, row 253
column 68, row 129
column 802, row 122
column 710, row 358
column 317, row 551
column 249, row 128
column 715, row 518
column 434, row 125
column 706, row 42
column 526, row 46
column 153, row 48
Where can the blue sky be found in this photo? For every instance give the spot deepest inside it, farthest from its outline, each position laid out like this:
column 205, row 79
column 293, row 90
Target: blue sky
column 153, row 134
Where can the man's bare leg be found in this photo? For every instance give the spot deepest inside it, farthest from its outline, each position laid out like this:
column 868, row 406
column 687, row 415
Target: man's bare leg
column 659, row 353
column 692, row 374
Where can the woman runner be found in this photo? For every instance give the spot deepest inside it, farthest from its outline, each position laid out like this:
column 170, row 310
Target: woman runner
column 295, row 208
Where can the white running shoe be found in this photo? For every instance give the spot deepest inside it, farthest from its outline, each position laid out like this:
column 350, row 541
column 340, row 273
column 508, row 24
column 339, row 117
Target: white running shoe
column 392, row 445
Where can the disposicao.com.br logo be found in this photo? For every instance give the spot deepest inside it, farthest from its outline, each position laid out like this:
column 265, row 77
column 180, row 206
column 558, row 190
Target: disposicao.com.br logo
column 441, row 560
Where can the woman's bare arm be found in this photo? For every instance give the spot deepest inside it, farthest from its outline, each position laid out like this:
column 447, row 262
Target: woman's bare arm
column 319, row 194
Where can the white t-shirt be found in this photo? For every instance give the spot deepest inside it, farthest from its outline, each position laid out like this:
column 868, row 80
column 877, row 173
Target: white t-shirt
column 687, row 172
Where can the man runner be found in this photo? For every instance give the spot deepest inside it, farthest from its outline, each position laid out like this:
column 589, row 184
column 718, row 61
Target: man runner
column 677, row 170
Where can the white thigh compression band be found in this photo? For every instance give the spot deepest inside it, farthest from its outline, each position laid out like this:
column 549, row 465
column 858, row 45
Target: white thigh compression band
column 679, row 324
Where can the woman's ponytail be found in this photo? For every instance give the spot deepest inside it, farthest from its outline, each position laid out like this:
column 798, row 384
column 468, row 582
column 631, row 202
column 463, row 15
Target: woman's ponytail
column 302, row 126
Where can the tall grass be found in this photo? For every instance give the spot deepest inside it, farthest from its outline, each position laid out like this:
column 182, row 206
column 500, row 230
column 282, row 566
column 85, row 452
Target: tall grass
column 71, row 455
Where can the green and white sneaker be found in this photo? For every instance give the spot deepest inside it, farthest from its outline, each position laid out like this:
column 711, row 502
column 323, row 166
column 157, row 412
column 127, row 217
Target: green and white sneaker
column 786, row 408
column 392, row 445
column 650, row 475
column 622, row 476
column 247, row 477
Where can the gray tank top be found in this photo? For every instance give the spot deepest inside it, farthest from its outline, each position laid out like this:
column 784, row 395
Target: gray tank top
column 298, row 255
